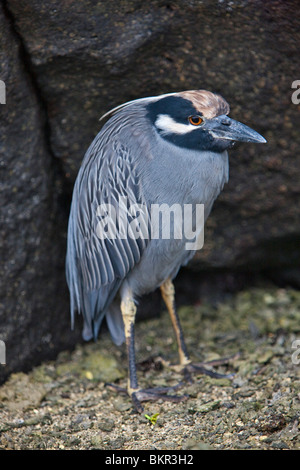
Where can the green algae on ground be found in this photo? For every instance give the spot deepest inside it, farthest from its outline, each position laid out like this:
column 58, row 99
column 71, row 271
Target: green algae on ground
column 95, row 365
column 64, row 404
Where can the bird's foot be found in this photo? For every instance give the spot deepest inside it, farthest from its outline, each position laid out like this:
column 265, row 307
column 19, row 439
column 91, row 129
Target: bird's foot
column 188, row 368
column 164, row 393
column 206, row 368
column 150, row 394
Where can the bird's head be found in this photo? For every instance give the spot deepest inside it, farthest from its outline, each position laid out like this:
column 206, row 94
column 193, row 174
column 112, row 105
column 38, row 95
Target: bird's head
column 198, row 120
column 194, row 119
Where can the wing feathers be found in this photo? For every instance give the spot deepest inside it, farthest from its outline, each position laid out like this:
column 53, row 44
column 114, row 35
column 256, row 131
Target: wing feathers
column 97, row 266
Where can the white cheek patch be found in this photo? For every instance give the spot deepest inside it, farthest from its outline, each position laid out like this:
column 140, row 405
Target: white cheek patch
column 167, row 125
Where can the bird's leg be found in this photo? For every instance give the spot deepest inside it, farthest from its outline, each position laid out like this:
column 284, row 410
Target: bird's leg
column 168, row 294
column 185, row 364
column 128, row 310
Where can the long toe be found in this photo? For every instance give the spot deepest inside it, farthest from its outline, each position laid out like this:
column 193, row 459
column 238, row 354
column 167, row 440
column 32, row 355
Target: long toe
column 150, row 394
column 206, row 368
column 197, row 368
column 154, row 394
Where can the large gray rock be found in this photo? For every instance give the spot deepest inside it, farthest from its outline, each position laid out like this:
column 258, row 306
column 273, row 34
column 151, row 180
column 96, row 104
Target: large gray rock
column 90, row 56
column 34, row 322
column 79, row 59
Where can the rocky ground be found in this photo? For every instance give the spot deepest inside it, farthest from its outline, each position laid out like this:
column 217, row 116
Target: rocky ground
column 65, row 404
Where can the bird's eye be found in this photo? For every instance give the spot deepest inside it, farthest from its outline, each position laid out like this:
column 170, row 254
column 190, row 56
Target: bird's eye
column 196, row 120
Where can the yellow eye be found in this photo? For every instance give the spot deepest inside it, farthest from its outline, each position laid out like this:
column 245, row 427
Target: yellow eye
column 195, row 120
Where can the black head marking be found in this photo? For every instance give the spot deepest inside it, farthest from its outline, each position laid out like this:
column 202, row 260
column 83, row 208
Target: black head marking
column 199, row 139
column 179, row 109
column 176, row 107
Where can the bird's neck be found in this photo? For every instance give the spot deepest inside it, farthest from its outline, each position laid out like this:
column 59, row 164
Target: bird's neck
column 190, row 177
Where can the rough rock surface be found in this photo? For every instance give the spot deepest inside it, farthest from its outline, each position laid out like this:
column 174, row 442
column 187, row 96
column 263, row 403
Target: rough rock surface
column 89, row 56
column 66, row 63
column 32, row 286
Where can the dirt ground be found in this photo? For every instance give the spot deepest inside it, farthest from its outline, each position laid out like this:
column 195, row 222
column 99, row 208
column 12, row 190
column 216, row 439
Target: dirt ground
column 65, row 404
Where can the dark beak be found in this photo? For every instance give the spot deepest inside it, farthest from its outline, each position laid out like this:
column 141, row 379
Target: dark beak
column 225, row 128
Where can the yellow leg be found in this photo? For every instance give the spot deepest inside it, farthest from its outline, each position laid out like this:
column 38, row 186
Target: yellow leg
column 137, row 394
column 128, row 310
column 168, row 294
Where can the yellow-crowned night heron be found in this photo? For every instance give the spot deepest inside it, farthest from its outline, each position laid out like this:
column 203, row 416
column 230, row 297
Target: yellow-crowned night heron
column 164, row 150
